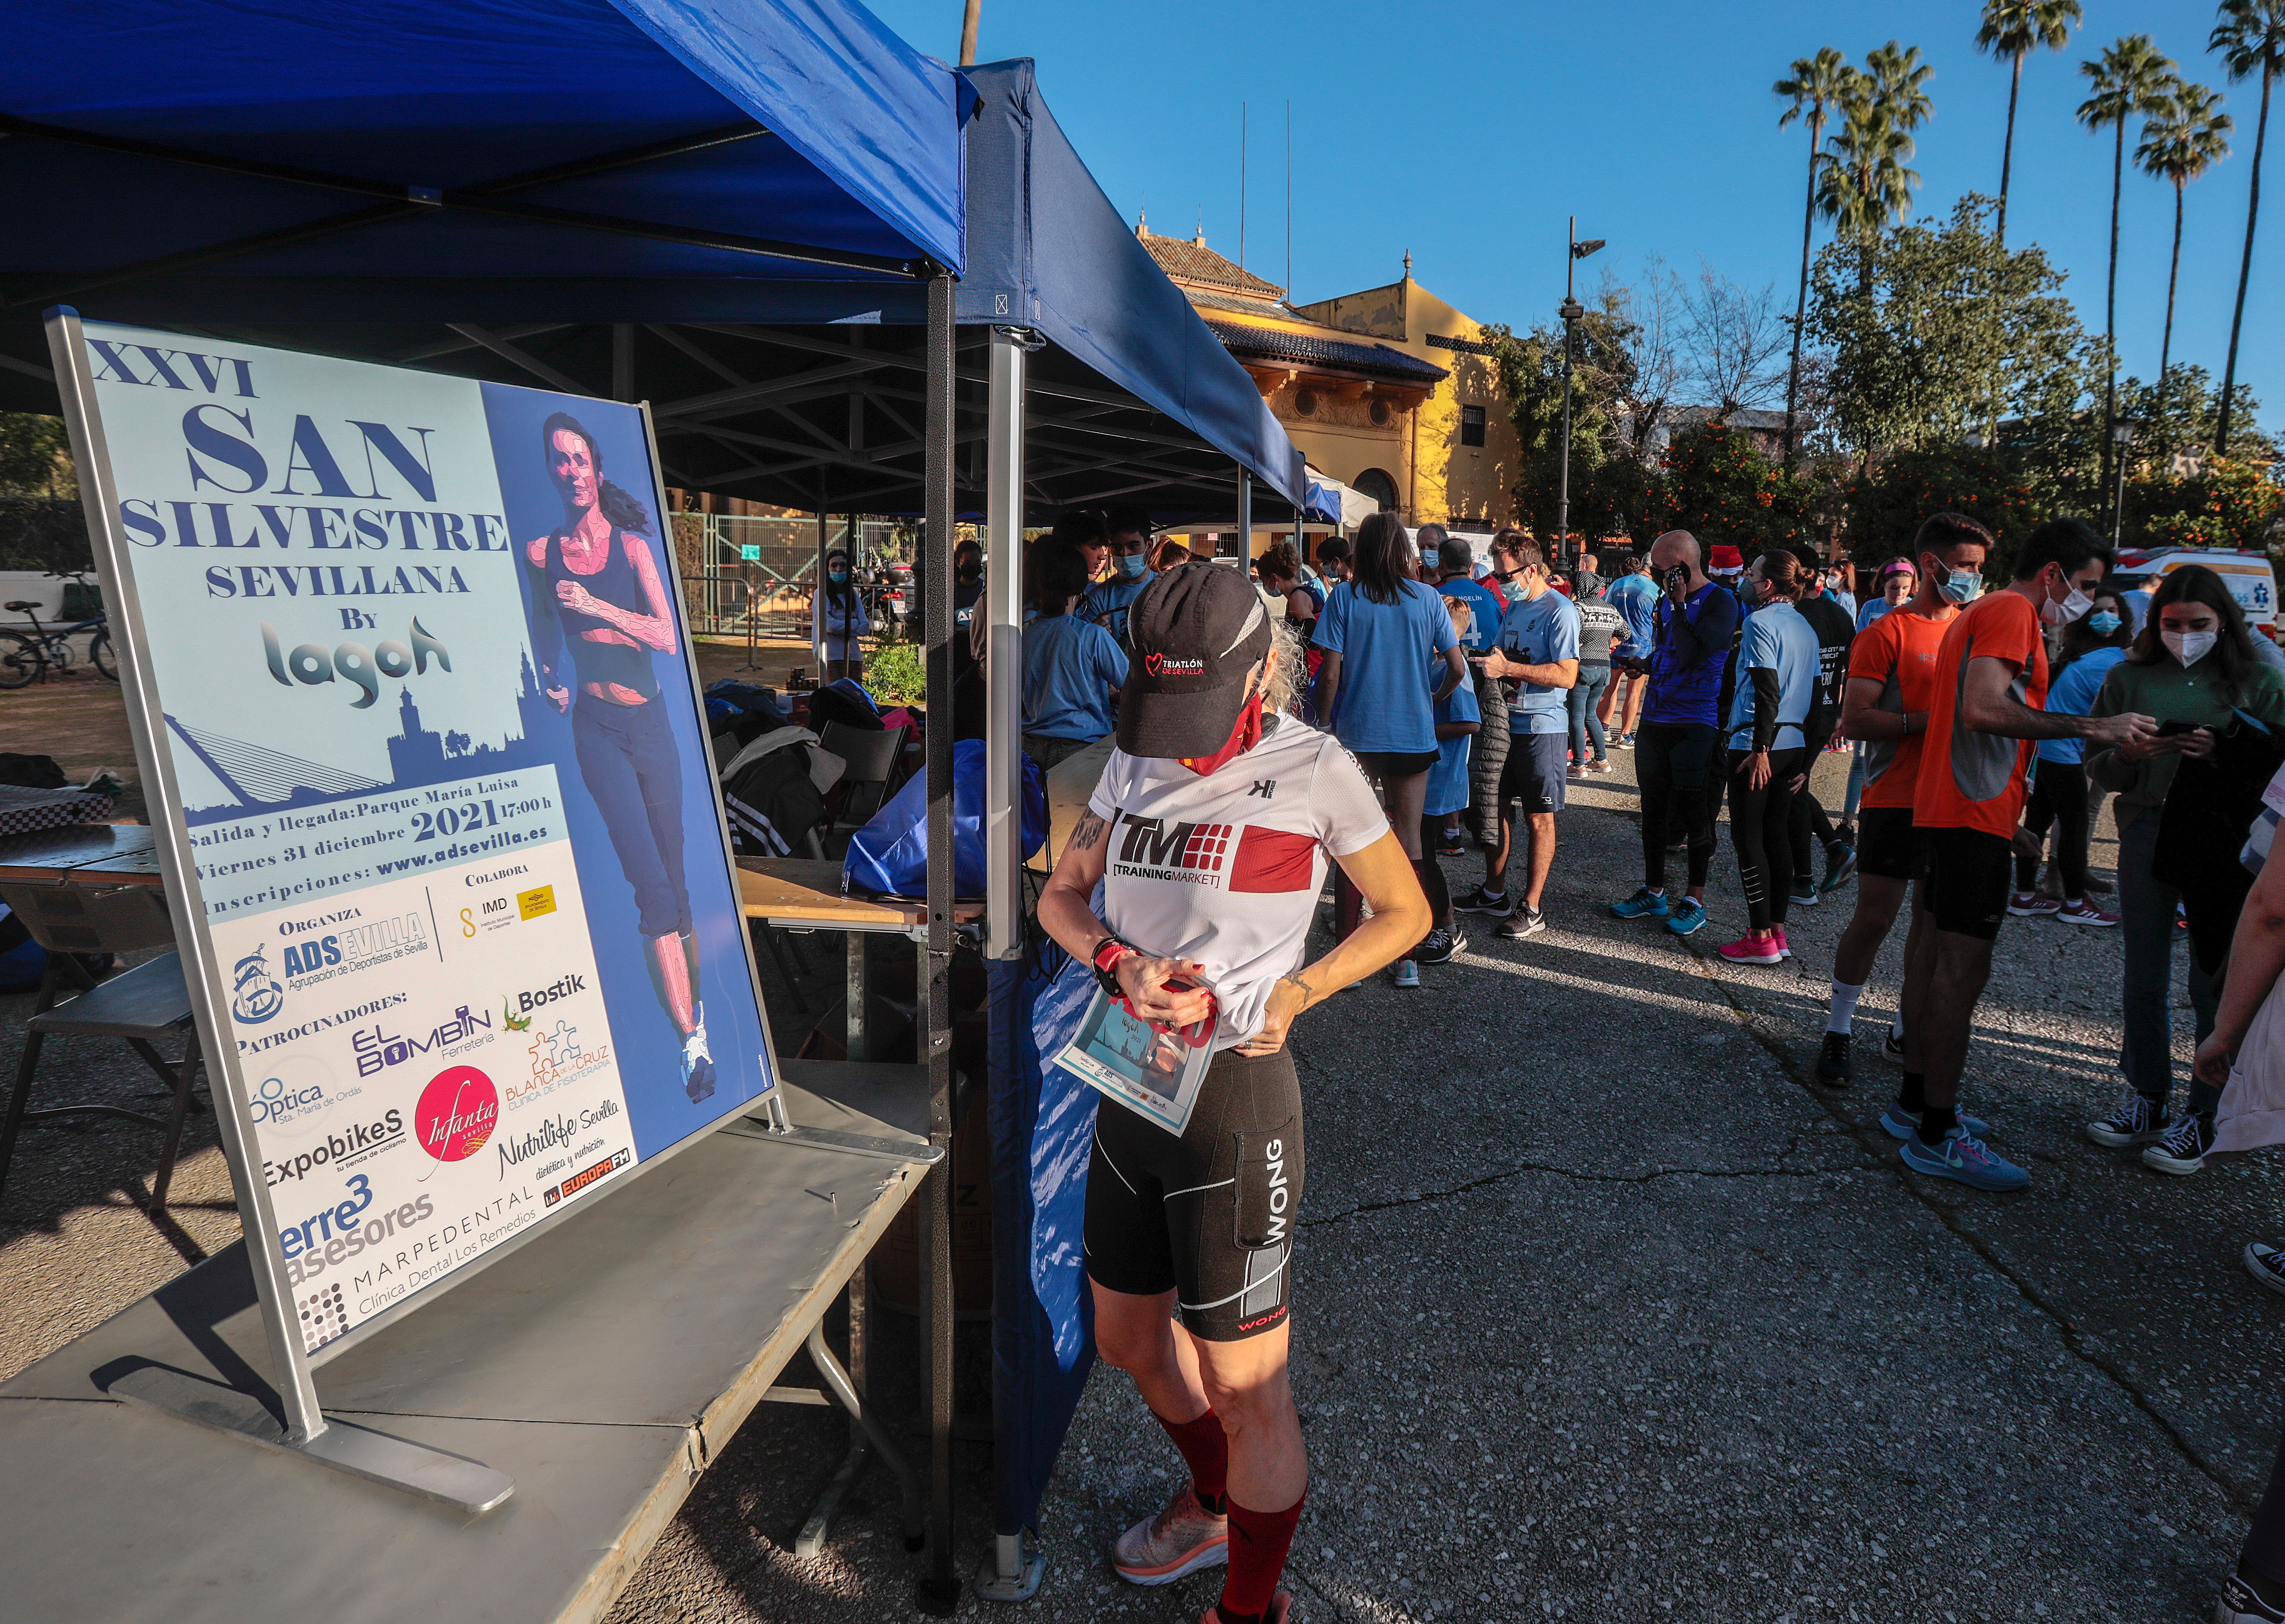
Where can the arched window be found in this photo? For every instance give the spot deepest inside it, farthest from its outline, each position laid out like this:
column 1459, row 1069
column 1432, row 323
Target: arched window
column 1378, row 485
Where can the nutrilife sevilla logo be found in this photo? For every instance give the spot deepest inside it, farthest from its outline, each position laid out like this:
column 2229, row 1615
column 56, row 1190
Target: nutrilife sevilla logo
column 1159, row 665
column 457, row 1113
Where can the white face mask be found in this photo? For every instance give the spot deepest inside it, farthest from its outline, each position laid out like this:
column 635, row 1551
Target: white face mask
column 2189, row 647
column 2069, row 609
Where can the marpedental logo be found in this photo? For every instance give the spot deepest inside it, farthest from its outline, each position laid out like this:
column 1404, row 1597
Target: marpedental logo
column 457, row 1113
column 256, row 997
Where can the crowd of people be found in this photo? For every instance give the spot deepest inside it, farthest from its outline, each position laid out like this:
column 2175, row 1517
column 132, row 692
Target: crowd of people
column 1985, row 727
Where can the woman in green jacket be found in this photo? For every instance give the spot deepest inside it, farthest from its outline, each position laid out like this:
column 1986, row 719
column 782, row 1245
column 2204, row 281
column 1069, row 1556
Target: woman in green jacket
column 2193, row 663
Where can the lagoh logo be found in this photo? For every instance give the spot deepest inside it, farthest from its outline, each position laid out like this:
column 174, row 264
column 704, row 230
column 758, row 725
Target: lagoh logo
column 255, row 996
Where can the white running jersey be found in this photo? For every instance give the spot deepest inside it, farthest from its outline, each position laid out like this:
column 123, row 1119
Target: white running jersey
column 1224, row 870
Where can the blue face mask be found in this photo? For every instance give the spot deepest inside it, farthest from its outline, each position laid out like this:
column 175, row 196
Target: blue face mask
column 1131, row 566
column 1958, row 586
column 836, row 574
column 2103, row 623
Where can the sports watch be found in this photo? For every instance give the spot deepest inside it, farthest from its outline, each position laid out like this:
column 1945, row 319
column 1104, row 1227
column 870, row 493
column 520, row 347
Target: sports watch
column 1107, row 955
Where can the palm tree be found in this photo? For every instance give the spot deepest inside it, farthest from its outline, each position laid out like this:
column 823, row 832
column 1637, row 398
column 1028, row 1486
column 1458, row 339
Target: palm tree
column 2181, row 142
column 2132, row 77
column 2012, row 30
column 1865, row 186
column 1819, row 83
column 2250, row 35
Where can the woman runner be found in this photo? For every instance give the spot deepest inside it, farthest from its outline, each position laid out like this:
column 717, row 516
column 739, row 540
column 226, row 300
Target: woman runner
column 1209, row 833
column 598, row 588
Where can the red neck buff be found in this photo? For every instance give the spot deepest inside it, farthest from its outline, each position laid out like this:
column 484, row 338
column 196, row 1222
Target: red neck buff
column 1243, row 737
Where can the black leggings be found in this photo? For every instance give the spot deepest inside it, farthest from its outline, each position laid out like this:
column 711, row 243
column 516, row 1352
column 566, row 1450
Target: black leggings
column 1675, row 768
column 627, row 760
column 2058, row 802
column 1760, row 829
column 1812, row 831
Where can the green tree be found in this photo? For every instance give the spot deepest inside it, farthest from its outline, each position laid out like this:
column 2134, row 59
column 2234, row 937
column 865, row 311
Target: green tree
column 35, row 456
column 2250, row 36
column 1866, row 186
column 1817, row 86
column 1605, row 479
column 2224, row 504
column 1886, row 505
column 2181, row 142
column 1944, row 333
column 2182, row 410
column 1714, row 483
column 2012, row 30
column 2130, row 79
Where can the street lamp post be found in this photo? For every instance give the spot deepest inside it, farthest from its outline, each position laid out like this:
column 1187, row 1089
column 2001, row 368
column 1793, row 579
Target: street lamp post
column 1570, row 312
column 2122, row 435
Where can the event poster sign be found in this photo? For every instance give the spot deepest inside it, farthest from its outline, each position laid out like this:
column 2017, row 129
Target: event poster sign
column 420, row 664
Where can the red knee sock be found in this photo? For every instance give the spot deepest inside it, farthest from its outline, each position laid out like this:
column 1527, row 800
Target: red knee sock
column 1258, row 1543
column 1206, row 1448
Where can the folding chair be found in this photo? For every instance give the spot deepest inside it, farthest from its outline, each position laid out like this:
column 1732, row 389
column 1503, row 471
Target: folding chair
column 142, row 1006
column 870, row 755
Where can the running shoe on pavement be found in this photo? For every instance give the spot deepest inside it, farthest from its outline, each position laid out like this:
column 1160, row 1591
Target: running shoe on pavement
column 1454, row 844
column 1525, row 920
column 1644, row 902
column 1901, row 1123
column 1180, row 1540
column 1406, row 974
column 1892, row 1045
column 1785, row 948
column 2031, row 905
column 2182, row 1149
column 1481, row 901
column 2083, row 912
column 1439, row 946
column 1752, row 950
column 1685, row 915
column 2242, row 1603
column 2265, row 1264
column 1804, row 894
column 1281, row 1610
column 2136, row 1119
column 1601, row 763
column 1833, row 1059
column 1967, row 1158
column 1839, row 863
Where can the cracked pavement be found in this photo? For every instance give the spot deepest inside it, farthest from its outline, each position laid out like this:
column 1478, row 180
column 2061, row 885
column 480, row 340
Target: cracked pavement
column 1603, row 1311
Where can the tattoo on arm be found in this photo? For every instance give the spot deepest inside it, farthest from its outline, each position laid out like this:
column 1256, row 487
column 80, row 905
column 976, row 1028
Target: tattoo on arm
column 1309, row 993
column 1090, row 830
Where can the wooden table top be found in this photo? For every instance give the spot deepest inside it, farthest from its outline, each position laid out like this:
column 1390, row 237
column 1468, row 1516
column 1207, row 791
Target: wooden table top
column 795, row 891
column 1070, row 782
column 83, row 853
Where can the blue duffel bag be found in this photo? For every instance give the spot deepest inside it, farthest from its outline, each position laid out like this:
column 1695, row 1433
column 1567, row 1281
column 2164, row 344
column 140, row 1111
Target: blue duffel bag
column 889, row 856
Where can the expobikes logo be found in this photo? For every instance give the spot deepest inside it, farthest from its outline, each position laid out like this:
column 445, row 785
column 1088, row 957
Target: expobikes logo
column 345, row 1146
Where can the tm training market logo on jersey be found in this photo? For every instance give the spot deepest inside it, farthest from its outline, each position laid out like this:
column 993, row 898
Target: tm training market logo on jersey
column 1238, row 857
column 255, row 996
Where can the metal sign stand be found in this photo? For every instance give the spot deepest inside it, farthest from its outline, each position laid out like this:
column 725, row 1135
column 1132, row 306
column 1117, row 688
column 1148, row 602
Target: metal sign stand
column 297, row 1423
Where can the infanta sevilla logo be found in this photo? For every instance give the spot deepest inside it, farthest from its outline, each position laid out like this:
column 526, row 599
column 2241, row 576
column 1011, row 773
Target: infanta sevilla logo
column 457, row 1113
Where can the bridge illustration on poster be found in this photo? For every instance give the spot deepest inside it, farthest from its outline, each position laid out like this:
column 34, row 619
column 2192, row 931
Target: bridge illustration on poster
column 257, row 778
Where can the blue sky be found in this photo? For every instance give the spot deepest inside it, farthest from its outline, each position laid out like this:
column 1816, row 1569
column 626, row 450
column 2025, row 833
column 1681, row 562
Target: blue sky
column 1466, row 133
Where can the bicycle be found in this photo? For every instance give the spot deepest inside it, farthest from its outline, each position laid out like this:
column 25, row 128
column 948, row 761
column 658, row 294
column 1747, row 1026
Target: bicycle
column 25, row 655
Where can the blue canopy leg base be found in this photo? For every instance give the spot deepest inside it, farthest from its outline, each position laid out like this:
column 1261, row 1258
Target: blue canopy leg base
column 1011, row 1570
column 463, row 1484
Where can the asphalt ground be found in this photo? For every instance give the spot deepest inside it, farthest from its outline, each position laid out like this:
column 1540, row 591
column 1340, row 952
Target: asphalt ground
column 1603, row 1310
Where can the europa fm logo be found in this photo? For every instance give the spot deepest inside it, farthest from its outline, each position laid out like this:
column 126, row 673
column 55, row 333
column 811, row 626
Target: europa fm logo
column 256, row 997
column 456, row 1114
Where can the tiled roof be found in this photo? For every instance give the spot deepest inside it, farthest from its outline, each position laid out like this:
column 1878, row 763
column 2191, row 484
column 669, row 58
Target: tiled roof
column 1194, row 262
column 1243, row 338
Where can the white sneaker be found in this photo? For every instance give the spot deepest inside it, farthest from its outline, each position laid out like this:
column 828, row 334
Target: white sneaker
column 1408, row 973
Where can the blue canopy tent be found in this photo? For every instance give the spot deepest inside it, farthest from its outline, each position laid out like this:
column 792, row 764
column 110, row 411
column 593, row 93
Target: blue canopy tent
column 824, row 362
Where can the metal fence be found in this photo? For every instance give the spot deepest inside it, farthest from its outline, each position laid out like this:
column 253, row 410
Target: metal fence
column 735, row 563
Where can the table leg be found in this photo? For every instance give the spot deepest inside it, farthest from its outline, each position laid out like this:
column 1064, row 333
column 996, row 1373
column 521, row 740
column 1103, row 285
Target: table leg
column 855, row 995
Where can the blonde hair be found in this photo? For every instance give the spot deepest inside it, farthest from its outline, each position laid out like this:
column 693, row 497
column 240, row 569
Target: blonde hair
column 1461, row 612
column 1284, row 685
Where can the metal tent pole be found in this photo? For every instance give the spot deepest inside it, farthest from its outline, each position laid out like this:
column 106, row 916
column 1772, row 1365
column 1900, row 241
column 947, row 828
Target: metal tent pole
column 817, row 641
column 1003, row 576
column 938, row 1592
column 1244, row 518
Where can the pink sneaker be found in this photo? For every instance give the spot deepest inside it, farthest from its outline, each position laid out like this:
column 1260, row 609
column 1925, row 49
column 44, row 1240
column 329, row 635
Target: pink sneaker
column 2085, row 912
column 1751, row 949
column 1785, row 948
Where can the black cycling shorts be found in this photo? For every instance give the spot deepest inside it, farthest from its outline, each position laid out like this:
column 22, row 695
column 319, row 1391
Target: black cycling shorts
column 1888, row 846
column 1384, row 764
column 1209, row 1216
column 1968, row 873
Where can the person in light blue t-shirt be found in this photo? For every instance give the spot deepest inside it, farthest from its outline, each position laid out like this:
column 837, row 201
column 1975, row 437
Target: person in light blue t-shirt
column 1071, row 667
column 1635, row 595
column 1538, row 650
column 2057, row 801
column 1769, row 760
column 1379, row 628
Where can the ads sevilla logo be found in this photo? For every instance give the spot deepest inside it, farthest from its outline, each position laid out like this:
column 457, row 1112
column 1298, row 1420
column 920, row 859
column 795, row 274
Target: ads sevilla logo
column 256, row 997
column 1159, row 665
column 457, row 1113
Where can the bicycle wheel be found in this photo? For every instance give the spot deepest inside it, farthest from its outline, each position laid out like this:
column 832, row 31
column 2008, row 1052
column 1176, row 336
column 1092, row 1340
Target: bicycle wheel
column 21, row 659
column 100, row 651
